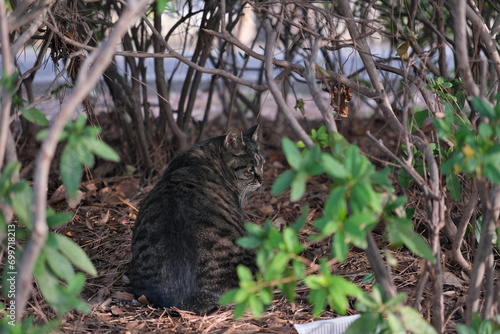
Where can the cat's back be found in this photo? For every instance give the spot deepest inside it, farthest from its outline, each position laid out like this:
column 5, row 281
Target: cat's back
column 183, row 251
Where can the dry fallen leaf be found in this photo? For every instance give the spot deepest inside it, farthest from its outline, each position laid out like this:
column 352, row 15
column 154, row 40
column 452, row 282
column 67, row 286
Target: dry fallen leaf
column 143, row 300
column 116, row 310
column 123, row 295
column 451, row 279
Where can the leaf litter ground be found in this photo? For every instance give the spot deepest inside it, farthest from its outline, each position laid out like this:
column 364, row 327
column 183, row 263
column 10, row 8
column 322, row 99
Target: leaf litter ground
column 103, row 221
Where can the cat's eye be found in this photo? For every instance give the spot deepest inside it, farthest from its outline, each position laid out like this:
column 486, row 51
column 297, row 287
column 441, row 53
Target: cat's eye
column 251, row 169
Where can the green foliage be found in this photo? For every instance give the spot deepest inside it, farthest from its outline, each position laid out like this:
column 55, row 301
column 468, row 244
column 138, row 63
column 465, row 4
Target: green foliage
column 79, row 151
column 35, row 116
column 54, row 271
column 360, row 198
column 480, row 326
column 164, row 5
column 8, row 326
column 477, row 152
column 384, row 315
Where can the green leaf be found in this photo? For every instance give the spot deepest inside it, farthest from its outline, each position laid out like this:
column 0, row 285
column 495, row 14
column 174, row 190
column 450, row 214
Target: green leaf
column 416, row 243
column 288, row 290
column 483, row 107
column 357, row 226
column 355, row 162
column 100, row 148
column 34, row 116
column 395, row 324
column 418, row 119
column 366, row 324
column 463, row 329
column 363, row 196
column 256, row 306
column 298, row 186
column 299, row 269
column 396, row 300
column 49, row 285
column 55, row 219
column 228, row 297
column 71, row 170
column 368, row 278
column 340, row 246
column 274, row 238
column 291, row 241
column 266, row 295
column 75, row 254
column 282, row 183
column 59, row 264
column 315, row 282
column 398, row 202
column 338, row 144
column 84, row 154
column 239, row 309
column 249, row 242
column 486, row 327
column 277, row 266
column 91, row 131
column 338, row 301
column 334, row 168
column 318, row 299
column 255, row 230
column 292, row 153
column 336, row 205
column 244, row 274
column 79, row 123
column 22, row 200
column 453, row 185
column 414, row 322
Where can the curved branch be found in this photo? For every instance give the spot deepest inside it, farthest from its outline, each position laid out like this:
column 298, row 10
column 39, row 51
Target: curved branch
column 461, row 229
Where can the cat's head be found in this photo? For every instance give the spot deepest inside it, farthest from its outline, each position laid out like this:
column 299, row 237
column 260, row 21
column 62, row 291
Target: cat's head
column 244, row 158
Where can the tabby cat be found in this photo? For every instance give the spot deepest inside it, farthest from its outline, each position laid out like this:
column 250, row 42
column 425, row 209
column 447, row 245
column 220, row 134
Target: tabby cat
column 183, row 248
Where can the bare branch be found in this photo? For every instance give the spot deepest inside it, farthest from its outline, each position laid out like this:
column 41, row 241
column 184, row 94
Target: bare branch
column 378, row 266
column 271, row 35
column 461, row 229
column 462, row 49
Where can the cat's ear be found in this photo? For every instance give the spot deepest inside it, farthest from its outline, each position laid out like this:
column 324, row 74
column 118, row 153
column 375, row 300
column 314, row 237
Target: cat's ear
column 253, row 133
column 234, row 140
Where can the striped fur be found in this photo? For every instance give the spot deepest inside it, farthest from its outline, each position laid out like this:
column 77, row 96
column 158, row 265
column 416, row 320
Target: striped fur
column 183, row 247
